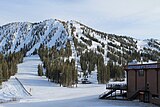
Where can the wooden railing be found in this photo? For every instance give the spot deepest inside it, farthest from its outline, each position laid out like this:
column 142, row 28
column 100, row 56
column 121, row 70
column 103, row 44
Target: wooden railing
column 116, row 86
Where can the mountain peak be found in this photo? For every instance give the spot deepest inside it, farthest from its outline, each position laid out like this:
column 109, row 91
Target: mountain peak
column 53, row 32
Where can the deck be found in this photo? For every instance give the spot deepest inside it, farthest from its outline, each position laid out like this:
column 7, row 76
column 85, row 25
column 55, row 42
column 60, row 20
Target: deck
column 116, row 91
column 116, row 86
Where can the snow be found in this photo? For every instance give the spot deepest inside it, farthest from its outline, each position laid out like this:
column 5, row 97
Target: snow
column 118, row 82
column 93, row 34
column 12, row 91
column 15, row 36
column 51, row 26
column 141, row 44
column 144, row 43
column 47, row 94
column 149, row 62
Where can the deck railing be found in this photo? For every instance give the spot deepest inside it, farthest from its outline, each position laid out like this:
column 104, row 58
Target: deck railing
column 116, row 86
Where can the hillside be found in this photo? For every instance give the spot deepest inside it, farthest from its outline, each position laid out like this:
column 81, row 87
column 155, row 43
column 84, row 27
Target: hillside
column 64, row 44
column 68, row 53
column 116, row 47
column 29, row 36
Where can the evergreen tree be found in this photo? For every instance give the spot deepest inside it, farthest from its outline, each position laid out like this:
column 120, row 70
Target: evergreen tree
column 68, row 49
column 83, row 65
column 1, row 77
column 40, row 70
column 5, row 71
column 8, row 64
column 108, row 73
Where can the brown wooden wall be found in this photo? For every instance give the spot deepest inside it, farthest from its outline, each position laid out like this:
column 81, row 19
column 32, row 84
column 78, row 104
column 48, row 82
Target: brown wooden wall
column 136, row 82
column 131, row 82
column 140, row 81
column 152, row 81
column 158, row 82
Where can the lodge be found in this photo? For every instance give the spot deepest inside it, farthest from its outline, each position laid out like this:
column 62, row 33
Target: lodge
column 143, row 82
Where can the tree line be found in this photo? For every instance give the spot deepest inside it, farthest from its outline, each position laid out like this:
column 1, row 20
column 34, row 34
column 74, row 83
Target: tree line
column 90, row 59
column 8, row 64
column 59, row 68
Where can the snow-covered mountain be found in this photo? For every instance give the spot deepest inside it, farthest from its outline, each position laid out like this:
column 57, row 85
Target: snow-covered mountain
column 120, row 49
column 52, row 32
column 29, row 36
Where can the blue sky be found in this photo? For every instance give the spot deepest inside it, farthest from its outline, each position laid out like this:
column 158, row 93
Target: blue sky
column 136, row 18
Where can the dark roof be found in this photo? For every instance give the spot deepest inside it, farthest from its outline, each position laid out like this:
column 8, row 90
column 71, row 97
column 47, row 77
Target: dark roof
column 143, row 66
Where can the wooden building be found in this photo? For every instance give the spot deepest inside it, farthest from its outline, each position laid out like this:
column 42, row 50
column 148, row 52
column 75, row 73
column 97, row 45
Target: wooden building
column 143, row 82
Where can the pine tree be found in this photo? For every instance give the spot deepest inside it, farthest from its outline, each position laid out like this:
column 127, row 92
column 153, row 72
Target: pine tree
column 108, row 73
column 40, row 70
column 100, row 63
column 1, row 77
column 5, row 71
column 68, row 49
column 8, row 64
column 83, row 67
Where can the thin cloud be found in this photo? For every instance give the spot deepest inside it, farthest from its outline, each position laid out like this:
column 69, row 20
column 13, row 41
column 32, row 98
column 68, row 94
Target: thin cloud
column 125, row 17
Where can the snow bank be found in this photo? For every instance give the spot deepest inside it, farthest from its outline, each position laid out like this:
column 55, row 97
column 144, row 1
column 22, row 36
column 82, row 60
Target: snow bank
column 12, row 91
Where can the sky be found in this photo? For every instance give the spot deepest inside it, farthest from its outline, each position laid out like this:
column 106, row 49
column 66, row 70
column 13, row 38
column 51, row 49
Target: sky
column 135, row 18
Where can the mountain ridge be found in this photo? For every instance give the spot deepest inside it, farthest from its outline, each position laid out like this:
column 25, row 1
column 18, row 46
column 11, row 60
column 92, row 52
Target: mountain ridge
column 53, row 32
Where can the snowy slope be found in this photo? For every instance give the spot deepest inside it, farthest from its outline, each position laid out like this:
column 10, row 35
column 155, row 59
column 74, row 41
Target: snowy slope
column 149, row 43
column 47, row 94
column 30, row 36
column 114, row 46
column 12, row 91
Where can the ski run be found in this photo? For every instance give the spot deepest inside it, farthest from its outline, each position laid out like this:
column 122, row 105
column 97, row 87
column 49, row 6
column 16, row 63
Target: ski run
column 48, row 94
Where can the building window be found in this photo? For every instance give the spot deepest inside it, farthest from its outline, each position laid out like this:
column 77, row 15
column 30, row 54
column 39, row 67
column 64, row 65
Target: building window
column 140, row 72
